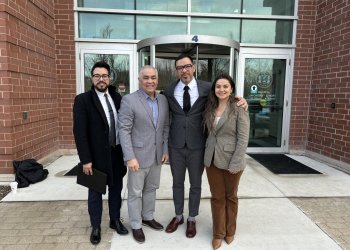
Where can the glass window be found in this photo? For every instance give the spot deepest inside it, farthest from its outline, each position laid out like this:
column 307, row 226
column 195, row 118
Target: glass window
column 144, row 57
column 209, row 68
column 162, row 5
column 216, row 27
column 107, row 4
column 217, row 6
column 120, row 70
column 269, row 7
column 264, row 83
column 267, row 31
column 151, row 26
column 108, row 26
column 166, row 71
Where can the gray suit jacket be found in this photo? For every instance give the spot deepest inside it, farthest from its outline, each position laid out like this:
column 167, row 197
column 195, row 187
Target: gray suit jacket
column 228, row 141
column 139, row 137
column 187, row 129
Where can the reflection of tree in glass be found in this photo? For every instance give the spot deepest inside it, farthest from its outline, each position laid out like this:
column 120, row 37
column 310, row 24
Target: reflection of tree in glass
column 208, row 69
column 107, row 31
column 119, row 69
column 165, row 72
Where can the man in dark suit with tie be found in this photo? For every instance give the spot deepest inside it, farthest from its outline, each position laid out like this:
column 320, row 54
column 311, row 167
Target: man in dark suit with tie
column 96, row 136
column 187, row 97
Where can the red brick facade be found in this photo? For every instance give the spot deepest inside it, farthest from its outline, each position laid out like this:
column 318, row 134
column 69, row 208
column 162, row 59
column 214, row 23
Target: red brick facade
column 302, row 77
column 329, row 128
column 38, row 78
column 65, row 69
column 37, row 70
column 322, row 77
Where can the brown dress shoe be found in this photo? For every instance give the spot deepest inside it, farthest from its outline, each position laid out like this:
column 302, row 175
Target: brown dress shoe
column 174, row 223
column 138, row 235
column 153, row 224
column 191, row 229
column 216, row 243
column 229, row 239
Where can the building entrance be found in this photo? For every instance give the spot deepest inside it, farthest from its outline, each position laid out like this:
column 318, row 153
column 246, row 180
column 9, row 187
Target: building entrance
column 212, row 55
column 262, row 78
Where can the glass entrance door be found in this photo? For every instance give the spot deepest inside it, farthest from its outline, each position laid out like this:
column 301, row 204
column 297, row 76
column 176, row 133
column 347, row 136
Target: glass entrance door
column 212, row 56
column 265, row 88
column 120, row 70
column 120, row 59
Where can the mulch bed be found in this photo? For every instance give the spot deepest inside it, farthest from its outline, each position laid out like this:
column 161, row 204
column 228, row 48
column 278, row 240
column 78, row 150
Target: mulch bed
column 4, row 190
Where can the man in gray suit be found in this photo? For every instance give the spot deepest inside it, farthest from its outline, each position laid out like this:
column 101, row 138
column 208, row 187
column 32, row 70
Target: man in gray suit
column 143, row 131
column 187, row 98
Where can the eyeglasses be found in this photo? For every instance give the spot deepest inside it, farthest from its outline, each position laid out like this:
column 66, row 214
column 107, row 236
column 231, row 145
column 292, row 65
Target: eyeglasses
column 97, row 77
column 186, row 67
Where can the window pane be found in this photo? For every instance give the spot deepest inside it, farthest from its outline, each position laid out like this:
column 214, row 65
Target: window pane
column 108, row 26
column 209, row 68
column 144, row 57
column 162, row 5
column 120, row 70
column 150, row 26
column 267, row 31
column 217, row 6
column 216, row 27
column 107, row 4
column 166, row 71
column 269, row 7
column 264, row 84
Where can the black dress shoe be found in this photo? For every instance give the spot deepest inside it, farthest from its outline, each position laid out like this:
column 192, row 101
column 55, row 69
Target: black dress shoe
column 138, row 235
column 95, row 236
column 118, row 226
column 153, row 224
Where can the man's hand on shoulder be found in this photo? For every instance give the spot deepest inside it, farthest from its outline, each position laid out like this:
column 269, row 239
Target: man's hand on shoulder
column 242, row 102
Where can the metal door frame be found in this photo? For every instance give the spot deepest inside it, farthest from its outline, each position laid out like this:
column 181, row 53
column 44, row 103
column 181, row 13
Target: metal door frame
column 189, row 39
column 271, row 53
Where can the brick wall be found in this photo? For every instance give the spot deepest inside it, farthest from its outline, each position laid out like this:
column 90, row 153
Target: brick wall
column 66, row 71
column 28, row 81
column 329, row 128
column 302, row 78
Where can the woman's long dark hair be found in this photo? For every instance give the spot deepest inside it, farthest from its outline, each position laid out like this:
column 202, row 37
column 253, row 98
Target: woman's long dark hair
column 213, row 102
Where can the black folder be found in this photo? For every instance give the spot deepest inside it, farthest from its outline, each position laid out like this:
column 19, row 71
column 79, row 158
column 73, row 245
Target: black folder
column 97, row 181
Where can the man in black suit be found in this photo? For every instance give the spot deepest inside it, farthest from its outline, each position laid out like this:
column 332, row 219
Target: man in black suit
column 187, row 97
column 96, row 136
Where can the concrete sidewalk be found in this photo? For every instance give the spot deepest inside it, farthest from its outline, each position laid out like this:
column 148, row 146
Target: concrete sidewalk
column 53, row 214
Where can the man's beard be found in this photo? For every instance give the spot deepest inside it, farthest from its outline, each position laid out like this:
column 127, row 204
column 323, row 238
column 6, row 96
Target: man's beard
column 101, row 88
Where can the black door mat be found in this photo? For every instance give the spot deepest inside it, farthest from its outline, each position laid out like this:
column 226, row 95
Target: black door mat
column 282, row 164
column 72, row 172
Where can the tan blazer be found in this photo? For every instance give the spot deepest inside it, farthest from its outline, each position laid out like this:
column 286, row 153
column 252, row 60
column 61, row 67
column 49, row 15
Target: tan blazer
column 227, row 142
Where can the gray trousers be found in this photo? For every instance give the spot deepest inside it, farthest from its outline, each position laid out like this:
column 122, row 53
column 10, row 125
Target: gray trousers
column 192, row 160
column 142, row 186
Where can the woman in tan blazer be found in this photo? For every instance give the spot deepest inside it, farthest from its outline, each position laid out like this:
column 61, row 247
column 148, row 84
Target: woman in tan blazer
column 224, row 158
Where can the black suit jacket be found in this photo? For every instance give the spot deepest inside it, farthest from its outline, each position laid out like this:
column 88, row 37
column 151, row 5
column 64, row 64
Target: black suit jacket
column 90, row 128
column 187, row 129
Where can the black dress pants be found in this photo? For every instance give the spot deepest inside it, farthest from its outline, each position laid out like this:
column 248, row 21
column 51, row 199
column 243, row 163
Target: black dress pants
column 95, row 203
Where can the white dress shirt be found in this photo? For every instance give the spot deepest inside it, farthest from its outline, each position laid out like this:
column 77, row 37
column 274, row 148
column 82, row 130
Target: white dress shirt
column 193, row 91
column 102, row 98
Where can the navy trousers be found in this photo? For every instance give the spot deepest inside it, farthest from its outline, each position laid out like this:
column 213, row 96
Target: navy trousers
column 114, row 196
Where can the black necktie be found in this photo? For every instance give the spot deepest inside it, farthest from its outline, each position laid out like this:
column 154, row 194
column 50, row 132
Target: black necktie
column 186, row 100
column 112, row 123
